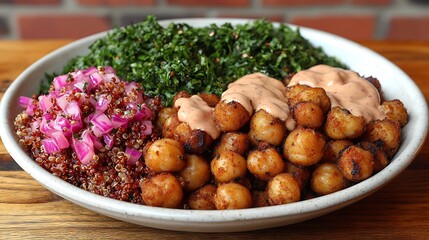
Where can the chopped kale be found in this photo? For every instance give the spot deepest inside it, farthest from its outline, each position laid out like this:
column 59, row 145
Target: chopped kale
column 182, row 57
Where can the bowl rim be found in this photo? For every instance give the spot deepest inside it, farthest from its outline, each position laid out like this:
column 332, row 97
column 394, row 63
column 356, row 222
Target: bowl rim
column 80, row 196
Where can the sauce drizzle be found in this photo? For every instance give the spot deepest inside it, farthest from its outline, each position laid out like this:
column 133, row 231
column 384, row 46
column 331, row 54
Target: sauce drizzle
column 197, row 114
column 257, row 91
column 345, row 88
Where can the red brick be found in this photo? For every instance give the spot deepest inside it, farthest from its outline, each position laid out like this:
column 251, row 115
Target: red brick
column 409, row 28
column 300, row 2
column 352, row 27
column 129, row 2
column 372, row 2
column 218, row 3
column 37, row 2
column 76, row 26
column 116, row 2
column 274, row 18
column 91, row 2
column 140, row 2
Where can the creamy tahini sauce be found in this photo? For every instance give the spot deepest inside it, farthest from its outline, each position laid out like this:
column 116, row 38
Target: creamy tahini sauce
column 195, row 112
column 257, row 91
column 345, row 88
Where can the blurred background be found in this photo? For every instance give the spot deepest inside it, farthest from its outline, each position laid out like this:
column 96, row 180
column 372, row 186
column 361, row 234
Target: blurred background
column 353, row 19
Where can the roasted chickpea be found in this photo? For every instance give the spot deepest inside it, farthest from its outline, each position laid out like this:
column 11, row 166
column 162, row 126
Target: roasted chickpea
column 236, row 142
column 265, row 127
column 304, row 146
column 308, row 114
column 301, row 174
column 203, row 198
column 228, row 166
column 163, row 115
column 230, row 116
column 165, row 155
column 196, row 172
column 315, row 95
column 341, row 124
column 334, row 148
column 283, row 189
column 356, row 163
column 380, row 158
column 169, row 126
column 210, row 99
column 327, row 178
column 162, row 190
column 292, row 93
column 265, row 164
column 193, row 140
column 396, row 111
column 232, row 196
column 385, row 132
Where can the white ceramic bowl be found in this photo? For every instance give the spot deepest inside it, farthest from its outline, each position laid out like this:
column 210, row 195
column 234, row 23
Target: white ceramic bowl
column 396, row 84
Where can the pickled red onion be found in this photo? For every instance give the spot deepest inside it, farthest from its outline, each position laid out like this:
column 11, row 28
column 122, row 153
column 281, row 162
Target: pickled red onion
column 65, row 122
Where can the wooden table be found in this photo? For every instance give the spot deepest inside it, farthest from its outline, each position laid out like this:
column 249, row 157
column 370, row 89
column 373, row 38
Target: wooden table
column 398, row 211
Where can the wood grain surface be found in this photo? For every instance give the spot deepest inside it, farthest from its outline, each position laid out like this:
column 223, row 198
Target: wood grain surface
column 400, row 210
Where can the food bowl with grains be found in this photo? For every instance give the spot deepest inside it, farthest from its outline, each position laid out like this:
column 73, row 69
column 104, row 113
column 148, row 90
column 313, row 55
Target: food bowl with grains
column 212, row 125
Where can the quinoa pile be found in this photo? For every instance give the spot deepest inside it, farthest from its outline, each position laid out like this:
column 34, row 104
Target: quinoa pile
column 111, row 171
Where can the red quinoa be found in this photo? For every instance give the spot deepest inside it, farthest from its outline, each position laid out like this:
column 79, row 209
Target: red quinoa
column 109, row 173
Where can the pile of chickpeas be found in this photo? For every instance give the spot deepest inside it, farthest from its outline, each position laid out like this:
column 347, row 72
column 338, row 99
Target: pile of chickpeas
column 257, row 162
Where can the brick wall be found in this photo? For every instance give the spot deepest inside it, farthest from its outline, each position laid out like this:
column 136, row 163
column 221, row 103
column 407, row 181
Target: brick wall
column 354, row 19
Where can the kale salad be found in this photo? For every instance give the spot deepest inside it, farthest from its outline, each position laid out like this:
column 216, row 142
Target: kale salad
column 179, row 57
